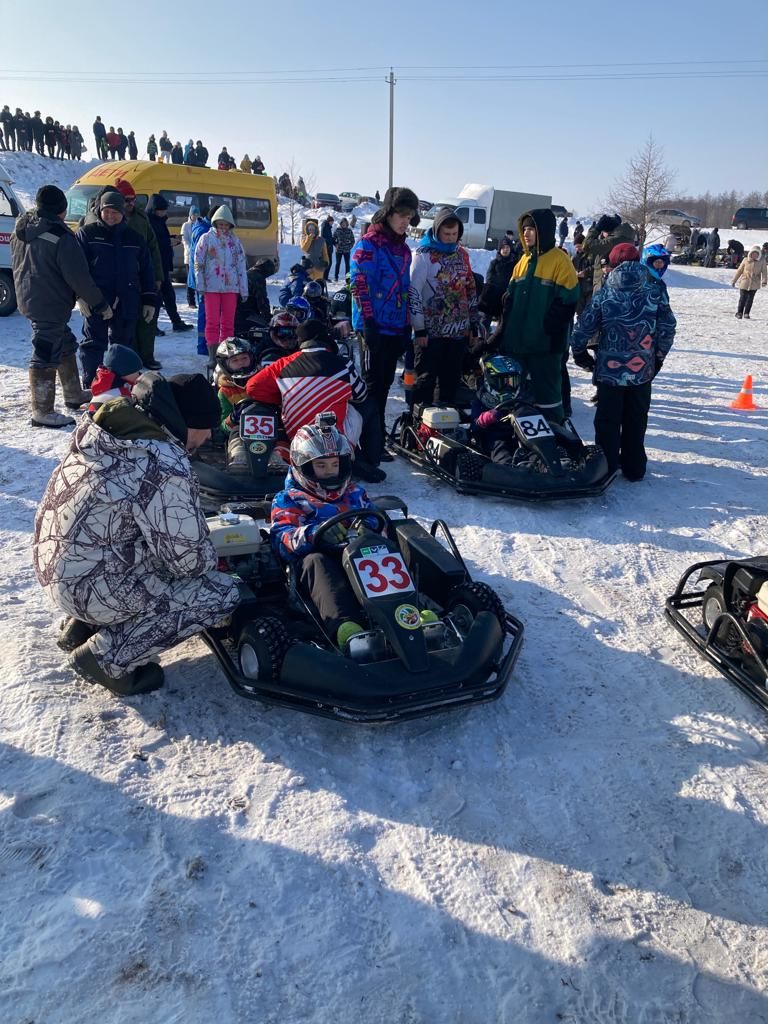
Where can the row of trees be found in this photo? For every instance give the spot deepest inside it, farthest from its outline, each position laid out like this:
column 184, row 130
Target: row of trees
column 647, row 185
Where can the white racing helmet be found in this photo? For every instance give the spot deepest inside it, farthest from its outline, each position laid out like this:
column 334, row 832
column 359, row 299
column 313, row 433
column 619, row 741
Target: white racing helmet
column 321, row 440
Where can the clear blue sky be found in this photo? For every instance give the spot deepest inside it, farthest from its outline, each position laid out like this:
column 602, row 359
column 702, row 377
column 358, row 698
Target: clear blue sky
column 567, row 138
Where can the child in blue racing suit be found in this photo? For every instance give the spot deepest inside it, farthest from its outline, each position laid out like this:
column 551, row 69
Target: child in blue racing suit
column 318, row 487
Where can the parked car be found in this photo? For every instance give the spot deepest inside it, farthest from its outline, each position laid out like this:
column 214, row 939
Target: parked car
column 323, row 199
column 10, row 209
column 671, row 217
column 751, row 217
column 349, row 200
column 425, row 205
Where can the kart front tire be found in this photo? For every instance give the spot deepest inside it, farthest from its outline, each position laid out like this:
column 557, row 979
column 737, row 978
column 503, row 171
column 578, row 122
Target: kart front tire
column 469, row 467
column 261, row 648
column 477, row 597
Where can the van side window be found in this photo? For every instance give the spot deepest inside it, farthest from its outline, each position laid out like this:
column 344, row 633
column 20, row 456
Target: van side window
column 214, row 202
column 479, row 216
column 463, row 214
column 179, row 204
column 253, row 213
column 8, row 208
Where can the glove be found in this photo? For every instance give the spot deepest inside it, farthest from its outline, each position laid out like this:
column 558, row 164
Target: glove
column 148, row 314
column 489, row 418
column 336, row 535
column 658, row 362
column 107, row 313
column 584, row 360
column 84, row 308
column 237, row 412
column 372, row 336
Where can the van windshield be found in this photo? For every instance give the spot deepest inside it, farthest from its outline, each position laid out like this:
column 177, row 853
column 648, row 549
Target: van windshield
column 439, row 206
column 77, row 200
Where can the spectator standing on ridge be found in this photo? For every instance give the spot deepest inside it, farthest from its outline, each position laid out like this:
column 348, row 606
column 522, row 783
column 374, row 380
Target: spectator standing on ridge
column 152, row 148
column 20, row 123
column 122, row 144
column 166, row 148
column 50, row 272
column 635, row 329
column 121, row 266
column 562, row 231
column 133, row 149
column 9, row 130
column 258, row 166
column 246, row 165
column 177, row 154
column 100, row 137
column 76, row 143
column 38, row 133
column 50, row 137
column 201, row 155
column 113, row 141
column 189, row 153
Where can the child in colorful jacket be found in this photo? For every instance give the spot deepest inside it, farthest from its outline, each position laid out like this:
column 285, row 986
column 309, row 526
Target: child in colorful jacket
column 635, row 328
column 444, row 313
column 318, row 487
column 753, row 275
column 220, row 274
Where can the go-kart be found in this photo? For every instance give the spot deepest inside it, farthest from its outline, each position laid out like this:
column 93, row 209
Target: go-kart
column 732, row 633
column 263, row 474
column 276, row 650
column 549, row 461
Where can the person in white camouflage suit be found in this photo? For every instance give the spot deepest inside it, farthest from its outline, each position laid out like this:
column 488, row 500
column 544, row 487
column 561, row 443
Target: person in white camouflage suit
column 121, row 544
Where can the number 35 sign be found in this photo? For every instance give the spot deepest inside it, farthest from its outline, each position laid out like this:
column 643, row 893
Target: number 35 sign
column 383, row 574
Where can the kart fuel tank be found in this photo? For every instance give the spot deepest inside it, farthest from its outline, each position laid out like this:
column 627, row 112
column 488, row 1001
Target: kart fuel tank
column 234, row 534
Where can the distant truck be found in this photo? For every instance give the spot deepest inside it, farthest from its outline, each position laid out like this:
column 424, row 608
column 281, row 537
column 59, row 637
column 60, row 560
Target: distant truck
column 10, row 209
column 486, row 213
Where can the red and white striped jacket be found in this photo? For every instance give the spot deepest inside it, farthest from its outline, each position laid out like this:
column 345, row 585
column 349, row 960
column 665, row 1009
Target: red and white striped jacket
column 308, row 382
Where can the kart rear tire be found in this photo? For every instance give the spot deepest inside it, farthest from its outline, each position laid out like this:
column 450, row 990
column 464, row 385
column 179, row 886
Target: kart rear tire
column 469, row 467
column 477, row 597
column 713, row 605
column 261, row 648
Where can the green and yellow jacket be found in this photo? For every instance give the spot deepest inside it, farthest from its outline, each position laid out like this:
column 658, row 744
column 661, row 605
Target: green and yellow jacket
column 542, row 294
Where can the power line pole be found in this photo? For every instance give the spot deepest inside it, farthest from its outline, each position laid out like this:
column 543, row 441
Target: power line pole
column 391, row 81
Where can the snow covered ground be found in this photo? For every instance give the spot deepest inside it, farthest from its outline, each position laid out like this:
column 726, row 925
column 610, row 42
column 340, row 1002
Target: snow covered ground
column 590, row 849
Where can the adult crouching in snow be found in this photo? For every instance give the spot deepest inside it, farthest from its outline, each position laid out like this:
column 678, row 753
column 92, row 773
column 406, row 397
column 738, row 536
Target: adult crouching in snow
column 443, row 304
column 50, row 271
column 121, row 545
column 220, row 275
column 538, row 310
column 120, row 264
column 635, row 329
column 381, row 278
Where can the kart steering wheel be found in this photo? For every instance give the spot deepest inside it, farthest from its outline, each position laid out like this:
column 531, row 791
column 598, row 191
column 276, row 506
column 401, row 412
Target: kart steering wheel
column 351, row 516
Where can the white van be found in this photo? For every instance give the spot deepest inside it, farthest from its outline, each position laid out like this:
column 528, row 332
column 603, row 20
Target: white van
column 10, row 209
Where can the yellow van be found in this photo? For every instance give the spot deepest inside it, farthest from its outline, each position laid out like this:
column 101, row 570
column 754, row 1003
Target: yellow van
column 250, row 197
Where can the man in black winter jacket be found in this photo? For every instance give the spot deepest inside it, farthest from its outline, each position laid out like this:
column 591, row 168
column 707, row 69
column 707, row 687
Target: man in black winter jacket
column 157, row 212
column 9, row 128
column 50, row 272
column 38, row 132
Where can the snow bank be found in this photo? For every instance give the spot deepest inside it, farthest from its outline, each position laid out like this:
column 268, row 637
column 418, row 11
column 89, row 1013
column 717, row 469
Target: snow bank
column 28, row 171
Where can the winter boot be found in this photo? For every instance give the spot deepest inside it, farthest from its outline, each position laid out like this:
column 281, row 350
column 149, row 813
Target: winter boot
column 142, row 680
column 346, row 631
column 42, row 386
column 74, row 394
column 74, row 632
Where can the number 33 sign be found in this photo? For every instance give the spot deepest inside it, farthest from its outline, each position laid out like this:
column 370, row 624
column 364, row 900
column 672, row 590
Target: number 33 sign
column 383, row 574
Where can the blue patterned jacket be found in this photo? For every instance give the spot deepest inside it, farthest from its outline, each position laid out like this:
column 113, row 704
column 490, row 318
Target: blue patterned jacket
column 633, row 321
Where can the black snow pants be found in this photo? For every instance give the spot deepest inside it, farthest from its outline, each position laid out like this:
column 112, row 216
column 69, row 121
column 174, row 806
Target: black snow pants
column 323, row 580
column 621, row 420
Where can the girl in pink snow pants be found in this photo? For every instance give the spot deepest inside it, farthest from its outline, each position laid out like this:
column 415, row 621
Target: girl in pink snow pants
column 220, row 275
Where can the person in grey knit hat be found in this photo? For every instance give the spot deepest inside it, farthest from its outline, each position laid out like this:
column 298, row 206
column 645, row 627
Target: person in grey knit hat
column 50, row 272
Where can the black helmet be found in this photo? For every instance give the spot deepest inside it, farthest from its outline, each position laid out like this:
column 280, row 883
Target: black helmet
column 313, row 290
column 235, row 347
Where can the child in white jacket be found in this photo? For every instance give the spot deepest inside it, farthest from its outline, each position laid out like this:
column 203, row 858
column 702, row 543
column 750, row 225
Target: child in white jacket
column 220, row 274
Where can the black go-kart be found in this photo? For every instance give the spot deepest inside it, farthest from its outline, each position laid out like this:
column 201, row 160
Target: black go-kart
column 548, row 461
column 434, row 639
column 263, row 473
column 726, row 619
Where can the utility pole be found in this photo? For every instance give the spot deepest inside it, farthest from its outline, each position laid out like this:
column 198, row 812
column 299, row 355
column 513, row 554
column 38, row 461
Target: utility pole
column 391, row 81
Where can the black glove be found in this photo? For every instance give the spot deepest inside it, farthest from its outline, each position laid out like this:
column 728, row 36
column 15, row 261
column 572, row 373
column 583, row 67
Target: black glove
column 584, row 360
column 237, row 412
column 658, row 362
column 372, row 336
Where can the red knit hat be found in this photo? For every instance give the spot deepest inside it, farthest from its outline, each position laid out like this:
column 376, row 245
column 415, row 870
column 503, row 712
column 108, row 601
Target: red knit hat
column 125, row 188
column 624, row 252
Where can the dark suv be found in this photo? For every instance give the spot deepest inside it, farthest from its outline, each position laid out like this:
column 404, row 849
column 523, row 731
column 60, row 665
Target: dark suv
column 751, row 217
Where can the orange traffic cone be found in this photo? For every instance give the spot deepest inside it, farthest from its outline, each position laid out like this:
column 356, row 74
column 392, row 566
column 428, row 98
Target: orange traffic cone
column 744, row 400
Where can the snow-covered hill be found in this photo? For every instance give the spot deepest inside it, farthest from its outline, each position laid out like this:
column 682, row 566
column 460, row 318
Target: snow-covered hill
column 590, row 849
column 28, row 172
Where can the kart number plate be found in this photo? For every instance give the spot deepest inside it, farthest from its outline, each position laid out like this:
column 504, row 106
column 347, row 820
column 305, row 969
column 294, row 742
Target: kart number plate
column 257, row 426
column 534, row 426
column 383, row 574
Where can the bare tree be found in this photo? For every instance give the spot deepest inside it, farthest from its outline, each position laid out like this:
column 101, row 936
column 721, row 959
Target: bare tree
column 646, row 185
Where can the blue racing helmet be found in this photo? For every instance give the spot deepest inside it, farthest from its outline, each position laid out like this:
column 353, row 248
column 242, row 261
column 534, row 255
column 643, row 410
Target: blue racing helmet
column 500, row 382
column 300, row 308
column 651, row 253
